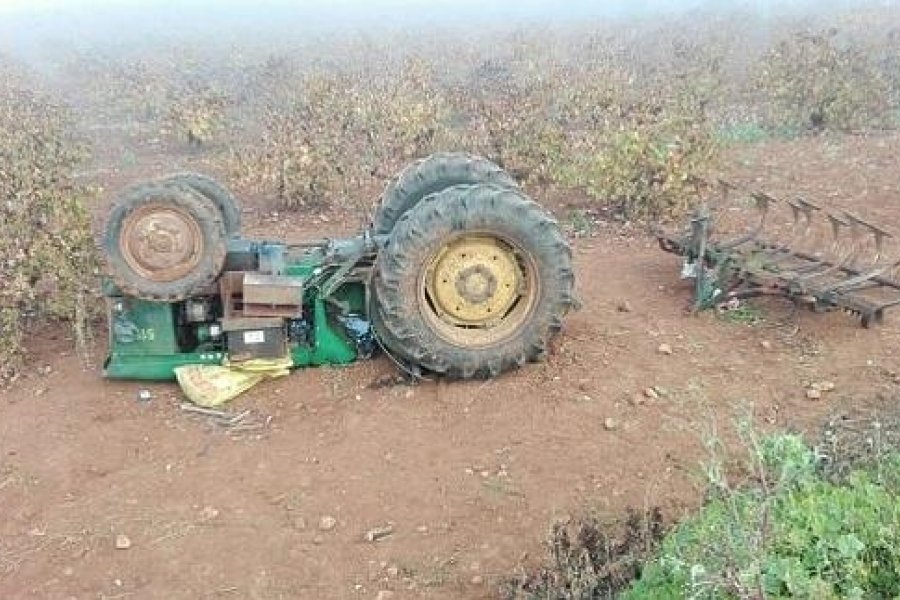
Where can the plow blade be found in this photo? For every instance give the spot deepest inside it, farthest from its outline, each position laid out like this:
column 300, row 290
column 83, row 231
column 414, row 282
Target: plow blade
column 742, row 243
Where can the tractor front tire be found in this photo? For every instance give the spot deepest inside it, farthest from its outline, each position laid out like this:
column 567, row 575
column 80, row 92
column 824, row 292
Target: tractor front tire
column 223, row 199
column 473, row 281
column 164, row 242
column 429, row 176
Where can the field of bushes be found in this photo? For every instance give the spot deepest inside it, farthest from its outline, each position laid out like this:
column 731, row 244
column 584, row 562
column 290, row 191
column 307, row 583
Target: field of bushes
column 618, row 115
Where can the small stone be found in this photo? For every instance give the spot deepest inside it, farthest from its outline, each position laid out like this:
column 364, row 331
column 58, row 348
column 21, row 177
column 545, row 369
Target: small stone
column 327, row 523
column 766, row 345
column 477, row 580
column 624, row 306
column 123, row 542
column 824, row 386
column 665, row 349
column 208, row 513
column 409, row 393
column 378, row 533
column 68, row 571
column 318, row 540
column 485, row 473
column 358, row 397
column 813, row 394
column 610, row 424
column 584, row 385
column 651, row 393
column 422, row 529
column 638, row 399
column 144, row 395
column 393, row 571
column 299, row 523
column 385, row 595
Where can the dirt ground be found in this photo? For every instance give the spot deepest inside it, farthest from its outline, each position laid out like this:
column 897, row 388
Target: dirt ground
column 467, row 476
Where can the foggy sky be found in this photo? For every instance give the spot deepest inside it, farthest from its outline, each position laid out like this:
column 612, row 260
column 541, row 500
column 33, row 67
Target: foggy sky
column 83, row 6
column 27, row 26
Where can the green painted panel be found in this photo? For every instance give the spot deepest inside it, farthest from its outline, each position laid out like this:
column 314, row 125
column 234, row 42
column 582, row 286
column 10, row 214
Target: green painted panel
column 329, row 347
column 141, row 328
column 155, row 367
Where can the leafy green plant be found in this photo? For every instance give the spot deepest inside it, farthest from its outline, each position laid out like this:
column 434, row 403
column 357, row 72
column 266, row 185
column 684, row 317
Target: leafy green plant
column 787, row 532
column 743, row 314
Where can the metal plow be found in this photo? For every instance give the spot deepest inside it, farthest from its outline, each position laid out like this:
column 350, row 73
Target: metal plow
column 742, row 243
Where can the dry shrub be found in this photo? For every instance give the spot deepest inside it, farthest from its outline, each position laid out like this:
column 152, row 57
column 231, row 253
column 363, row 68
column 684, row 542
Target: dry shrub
column 342, row 135
column 197, row 114
column 591, row 558
column 48, row 260
column 814, row 81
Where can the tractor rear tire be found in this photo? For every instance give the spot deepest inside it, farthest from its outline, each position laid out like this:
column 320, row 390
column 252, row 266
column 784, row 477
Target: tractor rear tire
column 223, row 199
column 164, row 242
column 429, row 176
column 474, row 281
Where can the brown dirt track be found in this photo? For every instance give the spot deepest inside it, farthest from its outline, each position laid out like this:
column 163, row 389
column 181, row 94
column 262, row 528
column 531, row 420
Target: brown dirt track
column 470, row 474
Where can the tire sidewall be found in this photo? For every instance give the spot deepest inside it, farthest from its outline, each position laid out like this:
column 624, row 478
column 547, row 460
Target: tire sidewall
column 432, row 175
column 223, row 200
column 462, row 210
column 211, row 230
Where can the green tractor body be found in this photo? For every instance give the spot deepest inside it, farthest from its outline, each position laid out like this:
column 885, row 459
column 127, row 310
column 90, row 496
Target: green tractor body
column 306, row 302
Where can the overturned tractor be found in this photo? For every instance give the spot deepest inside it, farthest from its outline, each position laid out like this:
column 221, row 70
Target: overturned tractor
column 460, row 274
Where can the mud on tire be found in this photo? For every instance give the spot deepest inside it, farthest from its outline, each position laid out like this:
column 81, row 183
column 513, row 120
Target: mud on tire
column 163, row 242
column 429, row 176
column 474, row 281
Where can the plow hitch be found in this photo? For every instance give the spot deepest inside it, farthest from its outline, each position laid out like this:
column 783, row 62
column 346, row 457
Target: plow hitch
column 742, row 243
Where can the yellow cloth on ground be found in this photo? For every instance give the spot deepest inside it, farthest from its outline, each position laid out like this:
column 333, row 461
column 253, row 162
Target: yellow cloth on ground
column 213, row 385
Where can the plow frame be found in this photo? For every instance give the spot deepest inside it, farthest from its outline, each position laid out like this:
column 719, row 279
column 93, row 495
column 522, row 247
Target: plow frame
column 749, row 264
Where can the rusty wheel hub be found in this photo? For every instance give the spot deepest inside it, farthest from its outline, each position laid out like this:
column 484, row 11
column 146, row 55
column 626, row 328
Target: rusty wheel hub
column 161, row 242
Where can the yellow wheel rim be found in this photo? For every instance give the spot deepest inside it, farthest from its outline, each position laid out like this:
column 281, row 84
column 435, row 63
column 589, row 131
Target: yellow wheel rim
column 478, row 289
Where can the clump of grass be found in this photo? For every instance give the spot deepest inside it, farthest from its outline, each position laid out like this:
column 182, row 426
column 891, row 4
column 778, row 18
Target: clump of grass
column 742, row 314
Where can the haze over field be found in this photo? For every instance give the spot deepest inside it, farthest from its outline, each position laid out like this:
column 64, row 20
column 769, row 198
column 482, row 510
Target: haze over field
column 27, row 24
